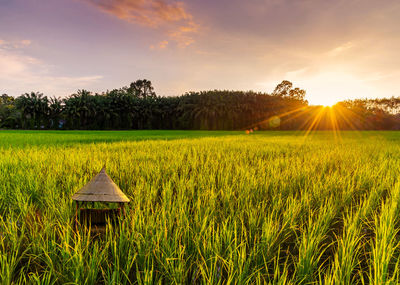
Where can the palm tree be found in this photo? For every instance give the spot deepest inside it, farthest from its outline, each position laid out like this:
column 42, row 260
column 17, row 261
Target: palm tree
column 34, row 109
column 55, row 111
column 80, row 109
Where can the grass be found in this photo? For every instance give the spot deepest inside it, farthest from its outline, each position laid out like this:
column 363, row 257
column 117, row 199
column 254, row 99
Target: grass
column 206, row 207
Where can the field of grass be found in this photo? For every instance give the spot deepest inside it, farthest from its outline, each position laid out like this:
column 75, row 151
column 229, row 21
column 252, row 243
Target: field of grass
column 206, row 207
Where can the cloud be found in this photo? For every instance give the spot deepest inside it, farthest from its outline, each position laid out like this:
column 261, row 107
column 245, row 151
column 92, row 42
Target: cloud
column 169, row 16
column 340, row 49
column 25, row 42
column 160, row 45
column 20, row 73
column 153, row 13
column 14, row 44
column 12, row 61
column 183, row 35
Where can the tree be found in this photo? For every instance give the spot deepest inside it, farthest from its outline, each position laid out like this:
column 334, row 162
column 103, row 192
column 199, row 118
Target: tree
column 34, row 109
column 8, row 112
column 297, row 94
column 55, row 111
column 138, row 107
column 80, row 109
column 285, row 89
column 141, row 89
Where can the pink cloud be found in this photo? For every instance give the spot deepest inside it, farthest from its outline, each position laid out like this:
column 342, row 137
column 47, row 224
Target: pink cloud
column 14, row 44
column 169, row 16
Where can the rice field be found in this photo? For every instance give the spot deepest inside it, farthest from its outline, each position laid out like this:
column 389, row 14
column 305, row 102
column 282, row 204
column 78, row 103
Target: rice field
column 206, row 207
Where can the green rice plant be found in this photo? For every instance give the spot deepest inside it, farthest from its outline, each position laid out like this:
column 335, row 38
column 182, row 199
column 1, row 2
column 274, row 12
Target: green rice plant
column 384, row 267
column 206, row 207
column 43, row 279
column 311, row 243
column 11, row 248
column 347, row 257
column 122, row 255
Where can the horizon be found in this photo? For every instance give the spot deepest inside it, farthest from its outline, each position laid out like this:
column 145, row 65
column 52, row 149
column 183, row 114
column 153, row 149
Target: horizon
column 335, row 50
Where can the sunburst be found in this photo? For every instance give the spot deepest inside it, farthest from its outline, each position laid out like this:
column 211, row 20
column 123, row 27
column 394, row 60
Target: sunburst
column 334, row 117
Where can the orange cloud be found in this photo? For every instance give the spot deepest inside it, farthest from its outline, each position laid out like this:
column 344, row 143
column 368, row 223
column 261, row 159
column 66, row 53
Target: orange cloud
column 172, row 17
column 160, row 45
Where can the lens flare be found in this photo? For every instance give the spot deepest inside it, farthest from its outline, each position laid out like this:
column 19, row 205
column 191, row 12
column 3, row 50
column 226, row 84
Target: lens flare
column 274, row 122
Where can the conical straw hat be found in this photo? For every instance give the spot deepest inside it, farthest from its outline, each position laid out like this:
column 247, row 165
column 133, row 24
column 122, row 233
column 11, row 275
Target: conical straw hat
column 101, row 189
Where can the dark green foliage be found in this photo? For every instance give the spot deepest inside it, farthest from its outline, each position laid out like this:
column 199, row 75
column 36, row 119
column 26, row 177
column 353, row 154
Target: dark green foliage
column 8, row 112
column 34, row 109
column 138, row 107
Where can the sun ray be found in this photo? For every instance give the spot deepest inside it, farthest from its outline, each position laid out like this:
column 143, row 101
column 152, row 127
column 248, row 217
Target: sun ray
column 347, row 115
column 307, row 120
column 297, row 110
column 315, row 122
column 334, row 122
column 312, row 118
column 304, row 112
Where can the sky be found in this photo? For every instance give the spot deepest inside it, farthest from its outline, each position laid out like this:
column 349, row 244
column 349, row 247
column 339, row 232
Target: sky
column 335, row 50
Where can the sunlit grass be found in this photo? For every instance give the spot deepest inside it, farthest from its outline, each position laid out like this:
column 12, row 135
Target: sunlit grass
column 213, row 207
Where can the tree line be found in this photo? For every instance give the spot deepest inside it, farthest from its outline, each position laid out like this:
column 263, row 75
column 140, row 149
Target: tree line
column 137, row 106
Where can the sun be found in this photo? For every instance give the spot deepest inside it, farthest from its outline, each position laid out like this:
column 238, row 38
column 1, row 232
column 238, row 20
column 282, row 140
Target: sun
column 325, row 103
column 328, row 105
